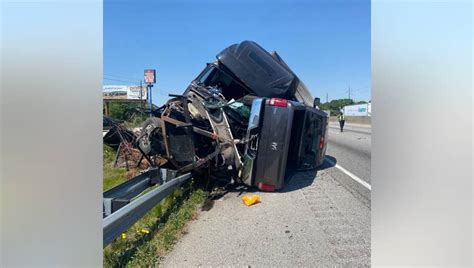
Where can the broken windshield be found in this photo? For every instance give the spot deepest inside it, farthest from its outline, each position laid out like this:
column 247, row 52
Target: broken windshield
column 213, row 77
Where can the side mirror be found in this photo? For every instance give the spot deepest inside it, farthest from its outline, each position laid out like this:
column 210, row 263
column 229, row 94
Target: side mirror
column 317, row 102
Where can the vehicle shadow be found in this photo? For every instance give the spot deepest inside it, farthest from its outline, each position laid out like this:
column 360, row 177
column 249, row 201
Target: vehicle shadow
column 329, row 162
column 298, row 180
column 302, row 179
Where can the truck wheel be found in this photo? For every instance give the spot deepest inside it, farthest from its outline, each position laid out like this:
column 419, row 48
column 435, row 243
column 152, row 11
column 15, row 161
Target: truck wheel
column 151, row 140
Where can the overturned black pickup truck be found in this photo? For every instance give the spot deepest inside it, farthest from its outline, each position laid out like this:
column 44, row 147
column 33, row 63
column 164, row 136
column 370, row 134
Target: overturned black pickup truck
column 246, row 119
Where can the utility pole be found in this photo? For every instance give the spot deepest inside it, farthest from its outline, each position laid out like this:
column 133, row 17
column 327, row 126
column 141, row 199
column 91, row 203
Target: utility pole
column 141, row 90
column 349, row 92
column 327, row 97
column 141, row 94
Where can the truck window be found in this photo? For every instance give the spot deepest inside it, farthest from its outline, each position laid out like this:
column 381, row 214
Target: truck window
column 208, row 73
column 214, row 77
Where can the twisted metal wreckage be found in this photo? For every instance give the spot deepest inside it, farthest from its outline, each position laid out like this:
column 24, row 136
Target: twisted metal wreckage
column 235, row 123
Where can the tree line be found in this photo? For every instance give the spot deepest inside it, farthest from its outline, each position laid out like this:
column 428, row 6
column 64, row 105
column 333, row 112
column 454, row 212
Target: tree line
column 334, row 106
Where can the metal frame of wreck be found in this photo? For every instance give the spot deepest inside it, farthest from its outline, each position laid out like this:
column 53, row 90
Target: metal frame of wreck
column 124, row 205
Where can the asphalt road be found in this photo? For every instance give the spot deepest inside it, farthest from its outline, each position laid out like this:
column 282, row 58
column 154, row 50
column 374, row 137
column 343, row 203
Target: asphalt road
column 351, row 150
column 321, row 218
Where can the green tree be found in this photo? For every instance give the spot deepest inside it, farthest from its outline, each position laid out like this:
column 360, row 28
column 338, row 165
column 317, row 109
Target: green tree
column 335, row 105
column 132, row 113
column 125, row 111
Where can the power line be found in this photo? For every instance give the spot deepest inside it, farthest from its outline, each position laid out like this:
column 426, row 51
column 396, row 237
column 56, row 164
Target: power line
column 341, row 94
column 121, row 80
column 360, row 89
column 121, row 77
column 347, row 92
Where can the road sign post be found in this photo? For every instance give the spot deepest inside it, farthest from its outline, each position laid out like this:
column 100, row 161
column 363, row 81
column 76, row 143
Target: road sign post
column 151, row 103
column 150, row 79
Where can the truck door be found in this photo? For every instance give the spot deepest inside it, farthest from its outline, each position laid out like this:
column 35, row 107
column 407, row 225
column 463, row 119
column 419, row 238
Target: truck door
column 310, row 141
column 253, row 136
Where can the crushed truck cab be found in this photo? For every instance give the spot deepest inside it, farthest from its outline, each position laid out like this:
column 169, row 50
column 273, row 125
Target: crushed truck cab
column 246, row 118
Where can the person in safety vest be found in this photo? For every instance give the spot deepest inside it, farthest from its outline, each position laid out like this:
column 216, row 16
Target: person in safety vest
column 341, row 119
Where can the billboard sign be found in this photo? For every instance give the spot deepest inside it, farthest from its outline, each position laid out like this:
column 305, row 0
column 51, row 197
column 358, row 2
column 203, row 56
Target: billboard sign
column 356, row 110
column 150, row 76
column 124, row 92
column 136, row 93
column 114, row 92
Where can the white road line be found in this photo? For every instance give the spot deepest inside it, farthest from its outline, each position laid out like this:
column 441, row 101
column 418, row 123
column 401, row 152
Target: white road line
column 350, row 174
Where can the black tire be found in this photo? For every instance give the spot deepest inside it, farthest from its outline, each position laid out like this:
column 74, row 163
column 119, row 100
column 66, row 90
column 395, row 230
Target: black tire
column 155, row 138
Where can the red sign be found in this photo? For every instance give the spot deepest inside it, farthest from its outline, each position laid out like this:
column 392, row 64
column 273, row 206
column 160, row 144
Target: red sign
column 150, row 76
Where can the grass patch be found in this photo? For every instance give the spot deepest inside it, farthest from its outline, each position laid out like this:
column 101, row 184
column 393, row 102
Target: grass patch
column 148, row 240
column 136, row 121
column 112, row 176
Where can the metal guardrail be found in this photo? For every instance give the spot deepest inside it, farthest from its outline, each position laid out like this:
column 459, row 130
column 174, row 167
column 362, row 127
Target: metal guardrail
column 120, row 212
column 121, row 195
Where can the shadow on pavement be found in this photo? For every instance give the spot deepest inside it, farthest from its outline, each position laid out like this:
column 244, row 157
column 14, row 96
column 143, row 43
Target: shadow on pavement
column 298, row 180
column 329, row 162
column 303, row 179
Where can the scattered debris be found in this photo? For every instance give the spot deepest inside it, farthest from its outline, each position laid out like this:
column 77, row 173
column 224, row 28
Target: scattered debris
column 250, row 200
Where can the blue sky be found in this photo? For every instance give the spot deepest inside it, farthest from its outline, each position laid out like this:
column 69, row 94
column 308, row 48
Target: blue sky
column 326, row 43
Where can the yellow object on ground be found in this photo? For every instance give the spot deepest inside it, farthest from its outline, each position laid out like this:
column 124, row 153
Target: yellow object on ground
column 124, row 236
column 145, row 231
column 251, row 199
